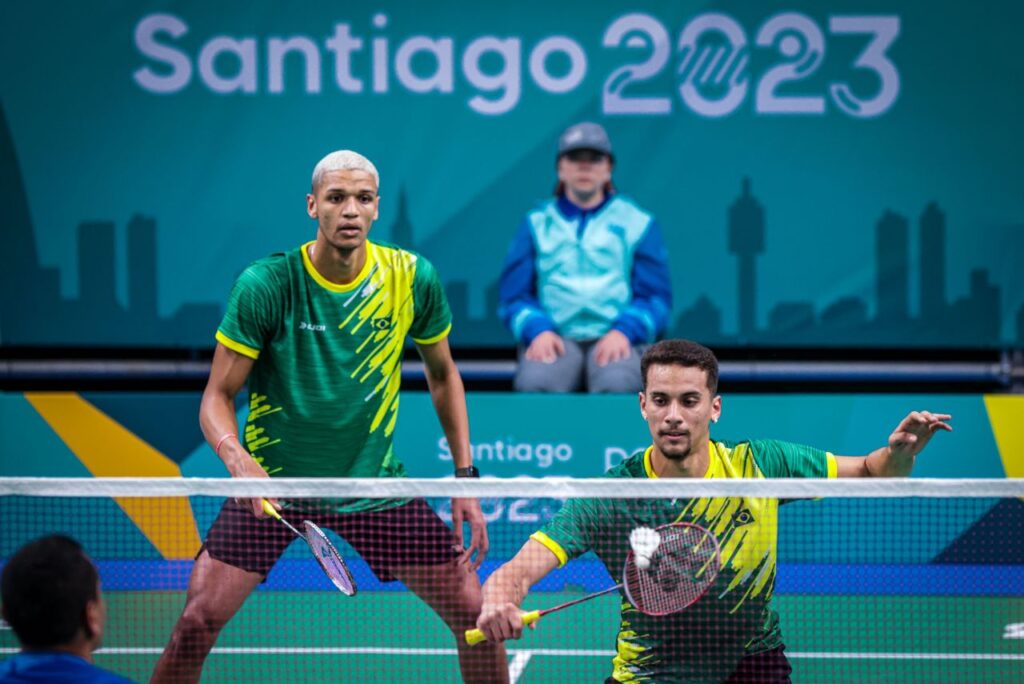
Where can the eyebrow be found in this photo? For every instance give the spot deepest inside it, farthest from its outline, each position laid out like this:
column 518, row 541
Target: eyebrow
column 358, row 191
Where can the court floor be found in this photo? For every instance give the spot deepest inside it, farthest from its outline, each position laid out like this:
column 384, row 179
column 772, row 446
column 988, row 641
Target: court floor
column 391, row 637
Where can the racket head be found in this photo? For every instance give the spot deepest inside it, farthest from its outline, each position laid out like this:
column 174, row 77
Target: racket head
column 329, row 559
column 682, row 569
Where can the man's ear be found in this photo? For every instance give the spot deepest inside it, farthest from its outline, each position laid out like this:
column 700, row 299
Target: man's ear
column 93, row 622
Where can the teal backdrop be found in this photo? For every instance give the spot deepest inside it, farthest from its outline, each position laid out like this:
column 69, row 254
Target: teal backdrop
column 826, row 173
column 156, row 434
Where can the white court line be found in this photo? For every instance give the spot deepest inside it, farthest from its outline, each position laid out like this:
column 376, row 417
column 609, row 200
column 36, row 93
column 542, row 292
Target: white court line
column 519, row 662
column 906, row 656
column 527, row 654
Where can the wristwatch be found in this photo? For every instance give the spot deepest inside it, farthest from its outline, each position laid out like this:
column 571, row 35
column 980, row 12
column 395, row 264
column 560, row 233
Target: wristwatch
column 468, row 471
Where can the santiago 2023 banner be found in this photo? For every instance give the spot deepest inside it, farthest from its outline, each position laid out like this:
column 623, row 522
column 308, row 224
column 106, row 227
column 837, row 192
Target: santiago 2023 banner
column 826, row 174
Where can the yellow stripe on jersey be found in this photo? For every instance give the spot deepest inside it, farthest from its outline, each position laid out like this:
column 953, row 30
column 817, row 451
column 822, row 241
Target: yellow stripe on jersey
column 648, row 468
column 386, row 304
column 327, row 284
column 552, row 546
column 234, row 346
column 436, row 338
column 833, row 465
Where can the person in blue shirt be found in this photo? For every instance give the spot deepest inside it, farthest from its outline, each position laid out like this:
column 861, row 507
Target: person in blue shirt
column 585, row 287
column 50, row 594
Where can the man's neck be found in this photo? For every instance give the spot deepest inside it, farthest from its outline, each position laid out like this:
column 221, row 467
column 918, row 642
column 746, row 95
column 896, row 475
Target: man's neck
column 694, row 465
column 79, row 647
column 335, row 265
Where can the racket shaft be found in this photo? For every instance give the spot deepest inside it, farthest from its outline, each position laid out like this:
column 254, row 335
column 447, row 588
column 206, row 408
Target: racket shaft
column 272, row 512
column 476, row 636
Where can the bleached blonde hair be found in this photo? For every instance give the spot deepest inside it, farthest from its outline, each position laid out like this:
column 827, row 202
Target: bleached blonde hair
column 343, row 160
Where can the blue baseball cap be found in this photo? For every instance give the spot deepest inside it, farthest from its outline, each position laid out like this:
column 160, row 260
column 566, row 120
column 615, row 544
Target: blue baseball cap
column 584, row 136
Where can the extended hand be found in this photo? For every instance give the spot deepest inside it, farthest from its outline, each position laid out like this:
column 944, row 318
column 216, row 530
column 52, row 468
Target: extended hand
column 914, row 432
column 501, row 621
column 546, row 347
column 614, row 346
column 244, row 465
column 468, row 510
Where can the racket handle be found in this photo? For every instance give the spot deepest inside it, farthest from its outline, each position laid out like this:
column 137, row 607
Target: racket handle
column 269, row 509
column 475, row 636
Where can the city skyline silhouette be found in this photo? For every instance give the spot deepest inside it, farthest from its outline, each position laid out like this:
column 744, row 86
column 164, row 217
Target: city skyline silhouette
column 41, row 316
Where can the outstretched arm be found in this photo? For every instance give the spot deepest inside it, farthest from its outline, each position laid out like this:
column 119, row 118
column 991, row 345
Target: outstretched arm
column 501, row 617
column 905, row 443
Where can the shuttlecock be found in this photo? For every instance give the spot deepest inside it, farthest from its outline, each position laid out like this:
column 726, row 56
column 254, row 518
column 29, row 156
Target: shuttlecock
column 644, row 542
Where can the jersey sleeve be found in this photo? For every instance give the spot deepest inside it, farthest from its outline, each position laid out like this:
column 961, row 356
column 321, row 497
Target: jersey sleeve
column 253, row 312
column 783, row 459
column 432, row 318
column 572, row 531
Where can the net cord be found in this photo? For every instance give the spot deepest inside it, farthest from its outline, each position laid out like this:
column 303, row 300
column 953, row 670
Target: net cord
column 524, row 487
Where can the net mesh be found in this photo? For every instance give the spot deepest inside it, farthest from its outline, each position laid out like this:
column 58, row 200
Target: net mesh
column 910, row 581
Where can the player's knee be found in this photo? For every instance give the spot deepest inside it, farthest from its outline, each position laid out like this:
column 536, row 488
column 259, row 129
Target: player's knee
column 198, row 624
column 462, row 605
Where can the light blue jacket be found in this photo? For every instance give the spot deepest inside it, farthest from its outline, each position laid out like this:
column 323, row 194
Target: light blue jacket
column 583, row 272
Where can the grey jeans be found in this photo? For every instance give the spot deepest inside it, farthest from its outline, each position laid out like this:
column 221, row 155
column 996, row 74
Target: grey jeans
column 576, row 370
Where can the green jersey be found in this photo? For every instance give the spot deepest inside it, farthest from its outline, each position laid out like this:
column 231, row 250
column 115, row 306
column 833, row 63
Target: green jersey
column 705, row 642
column 323, row 392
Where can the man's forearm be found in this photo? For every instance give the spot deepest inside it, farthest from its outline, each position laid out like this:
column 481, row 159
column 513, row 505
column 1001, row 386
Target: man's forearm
column 505, row 586
column 220, row 427
column 885, row 462
column 449, row 399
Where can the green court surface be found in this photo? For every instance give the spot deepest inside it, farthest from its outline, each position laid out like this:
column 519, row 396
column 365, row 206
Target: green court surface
column 392, row 637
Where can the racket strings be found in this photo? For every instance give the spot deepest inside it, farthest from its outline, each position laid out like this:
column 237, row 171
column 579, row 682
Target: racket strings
column 681, row 570
column 329, row 558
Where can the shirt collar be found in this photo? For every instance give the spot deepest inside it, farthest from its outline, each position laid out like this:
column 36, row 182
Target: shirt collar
column 569, row 210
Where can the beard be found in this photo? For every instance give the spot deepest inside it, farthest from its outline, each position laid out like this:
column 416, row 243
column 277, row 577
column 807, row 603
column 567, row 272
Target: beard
column 676, row 453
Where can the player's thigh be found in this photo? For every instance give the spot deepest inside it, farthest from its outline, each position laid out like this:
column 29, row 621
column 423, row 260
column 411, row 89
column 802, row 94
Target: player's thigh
column 217, row 590
column 237, row 554
column 565, row 374
column 452, row 589
column 622, row 376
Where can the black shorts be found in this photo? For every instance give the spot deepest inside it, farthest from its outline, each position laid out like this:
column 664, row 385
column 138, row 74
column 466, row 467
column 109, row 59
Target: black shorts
column 769, row 667
column 410, row 534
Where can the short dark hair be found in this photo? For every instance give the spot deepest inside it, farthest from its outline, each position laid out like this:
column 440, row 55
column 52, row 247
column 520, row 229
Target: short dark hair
column 681, row 353
column 45, row 588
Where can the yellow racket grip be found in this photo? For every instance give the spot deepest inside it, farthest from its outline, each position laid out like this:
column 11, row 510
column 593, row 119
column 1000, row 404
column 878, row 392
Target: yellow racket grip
column 475, row 636
column 269, row 509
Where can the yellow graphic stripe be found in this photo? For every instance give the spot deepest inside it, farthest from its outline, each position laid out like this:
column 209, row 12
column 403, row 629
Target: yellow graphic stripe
column 336, row 287
column 242, row 349
column 436, row 338
column 552, row 546
column 108, row 449
column 833, row 466
column 648, row 467
column 1006, row 414
column 387, row 295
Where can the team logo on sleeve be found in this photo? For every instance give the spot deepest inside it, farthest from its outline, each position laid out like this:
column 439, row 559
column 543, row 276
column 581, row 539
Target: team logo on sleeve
column 382, row 323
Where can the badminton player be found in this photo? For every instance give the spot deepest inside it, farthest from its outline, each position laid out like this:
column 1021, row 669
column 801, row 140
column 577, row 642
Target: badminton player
column 317, row 334
column 731, row 634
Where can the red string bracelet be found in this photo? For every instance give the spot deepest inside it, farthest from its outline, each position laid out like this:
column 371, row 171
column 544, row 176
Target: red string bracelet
column 220, row 441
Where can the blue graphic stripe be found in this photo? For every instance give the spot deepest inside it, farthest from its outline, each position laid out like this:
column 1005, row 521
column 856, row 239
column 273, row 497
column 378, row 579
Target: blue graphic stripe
column 590, row 575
